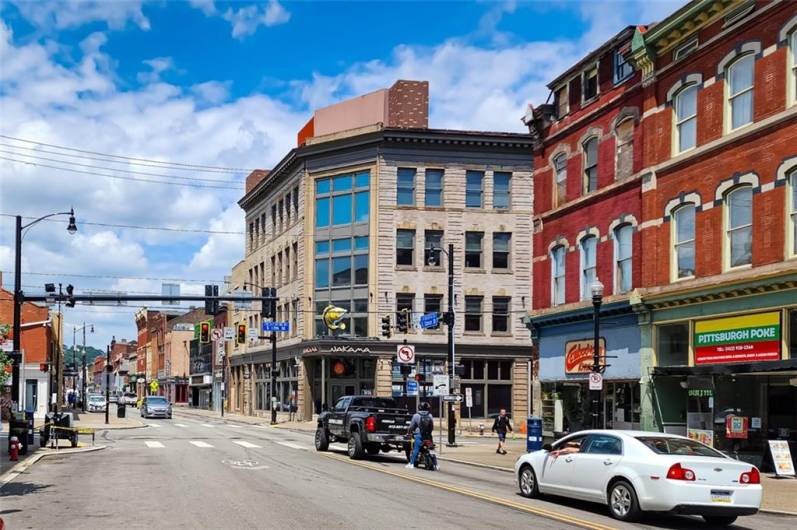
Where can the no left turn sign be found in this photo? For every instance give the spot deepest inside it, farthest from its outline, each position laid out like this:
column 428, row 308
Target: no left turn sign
column 216, row 334
column 405, row 353
column 595, row 381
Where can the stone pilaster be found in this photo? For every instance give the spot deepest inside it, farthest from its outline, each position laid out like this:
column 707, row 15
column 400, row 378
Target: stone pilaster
column 305, row 390
column 383, row 376
column 520, row 392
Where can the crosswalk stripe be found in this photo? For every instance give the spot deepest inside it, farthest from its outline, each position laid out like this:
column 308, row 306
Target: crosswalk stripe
column 248, row 445
column 154, row 445
column 153, row 425
column 200, row 444
column 293, row 446
column 179, row 425
column 207, row 425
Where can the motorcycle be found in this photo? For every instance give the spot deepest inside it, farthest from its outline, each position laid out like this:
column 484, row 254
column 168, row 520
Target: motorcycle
column 426, row 456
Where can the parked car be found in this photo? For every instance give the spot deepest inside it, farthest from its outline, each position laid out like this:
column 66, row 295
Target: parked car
column 113, row 398
column 96, row 403
column 156, row 407
column 129, row 398
column 366, row 424
column 635, row 471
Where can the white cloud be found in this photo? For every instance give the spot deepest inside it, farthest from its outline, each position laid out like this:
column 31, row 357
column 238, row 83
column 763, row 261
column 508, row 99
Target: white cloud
column 206, row 6
column 74, row 13
column 157, row 66
column 246, row 20
column 212, row 92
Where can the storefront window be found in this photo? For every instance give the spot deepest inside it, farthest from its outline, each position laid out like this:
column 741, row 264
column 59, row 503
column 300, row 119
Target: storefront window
column 673, row 345
column 793, row 333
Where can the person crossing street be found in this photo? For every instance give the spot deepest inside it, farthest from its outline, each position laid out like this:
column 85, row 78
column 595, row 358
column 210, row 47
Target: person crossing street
column 500, row 426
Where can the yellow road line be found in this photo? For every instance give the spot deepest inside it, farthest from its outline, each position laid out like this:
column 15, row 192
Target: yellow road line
column 478, row 495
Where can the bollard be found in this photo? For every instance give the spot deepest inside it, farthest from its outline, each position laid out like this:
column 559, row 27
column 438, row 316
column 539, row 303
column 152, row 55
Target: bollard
column 481, row 429
column 13, row 449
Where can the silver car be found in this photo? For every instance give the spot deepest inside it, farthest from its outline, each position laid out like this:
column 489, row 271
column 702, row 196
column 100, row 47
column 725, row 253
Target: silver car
column 156, row 407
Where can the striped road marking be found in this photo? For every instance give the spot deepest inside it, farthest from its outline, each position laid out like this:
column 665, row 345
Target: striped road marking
column 154, row 445
column 153, row 425
column 179, row 425
column 208, row 425
column 200, row 443
column 246, row 444
column 293, row 446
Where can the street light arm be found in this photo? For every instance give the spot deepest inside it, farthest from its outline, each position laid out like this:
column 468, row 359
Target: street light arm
column 71, row 212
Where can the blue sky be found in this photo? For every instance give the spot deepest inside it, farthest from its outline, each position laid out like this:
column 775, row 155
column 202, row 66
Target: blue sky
column 229, row 84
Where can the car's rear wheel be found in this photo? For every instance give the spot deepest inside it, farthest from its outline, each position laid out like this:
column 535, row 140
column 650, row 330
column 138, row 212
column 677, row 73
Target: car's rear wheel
column 527, row 481
column 355, row 446
column 719, row 520
column 623, row 504
column 321, row 440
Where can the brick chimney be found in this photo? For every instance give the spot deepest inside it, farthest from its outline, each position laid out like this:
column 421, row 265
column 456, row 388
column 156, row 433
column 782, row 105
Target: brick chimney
column 408, row 104
column 254, row 178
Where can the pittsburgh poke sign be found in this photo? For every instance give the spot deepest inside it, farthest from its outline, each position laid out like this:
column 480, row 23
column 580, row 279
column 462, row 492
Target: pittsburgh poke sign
column 578, row 355
column 747, row 338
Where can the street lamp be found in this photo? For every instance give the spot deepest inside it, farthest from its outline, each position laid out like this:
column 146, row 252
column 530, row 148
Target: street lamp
column 449, row 320
column 18, row 295
column 108, row 369
column 597, row 299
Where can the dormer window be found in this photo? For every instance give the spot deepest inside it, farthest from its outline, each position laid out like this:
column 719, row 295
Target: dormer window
column 590, row 83
column 622, row 68
column 561, row 100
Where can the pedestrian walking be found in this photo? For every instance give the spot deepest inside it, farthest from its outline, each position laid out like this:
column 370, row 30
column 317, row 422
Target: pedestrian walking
column 500, row 426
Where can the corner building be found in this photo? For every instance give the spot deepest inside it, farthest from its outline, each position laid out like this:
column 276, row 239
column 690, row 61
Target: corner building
column 352, row 218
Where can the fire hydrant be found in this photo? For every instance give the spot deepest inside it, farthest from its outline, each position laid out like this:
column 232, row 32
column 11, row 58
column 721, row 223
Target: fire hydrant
column 481, row 429
column 13, row 449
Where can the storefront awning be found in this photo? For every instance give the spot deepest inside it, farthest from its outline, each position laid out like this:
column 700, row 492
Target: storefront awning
column 727, row 369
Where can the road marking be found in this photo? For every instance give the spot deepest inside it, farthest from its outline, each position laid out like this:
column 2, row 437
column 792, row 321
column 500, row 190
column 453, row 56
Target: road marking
column 231, row 426
column 154, row 445
column 293, row 446
column 208, row 425
column 179, row 425
column 246, row 444
column 153, row 425
column 199, row 443
column 478, row 495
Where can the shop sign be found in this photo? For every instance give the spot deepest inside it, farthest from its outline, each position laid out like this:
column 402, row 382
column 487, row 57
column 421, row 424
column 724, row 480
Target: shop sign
column 736, row 427
column 747, row 338
column 349, row 349
column 700, row 392
column 578, row 355
column 781, row 457
column 705, row 437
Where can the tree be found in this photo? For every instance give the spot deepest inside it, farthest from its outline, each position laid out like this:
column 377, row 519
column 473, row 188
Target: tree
column 5, row 362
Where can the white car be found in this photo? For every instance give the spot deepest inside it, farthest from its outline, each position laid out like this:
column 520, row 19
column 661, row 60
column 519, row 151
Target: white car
column 637, row 471
column 96, row 403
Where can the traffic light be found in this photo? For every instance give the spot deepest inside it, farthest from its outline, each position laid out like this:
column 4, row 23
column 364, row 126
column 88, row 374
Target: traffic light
column 386, row 326
column 70, row 298
column 241, row 335
column 269, row 307
column 204, row 332
column 211, row 304
column 403, row 320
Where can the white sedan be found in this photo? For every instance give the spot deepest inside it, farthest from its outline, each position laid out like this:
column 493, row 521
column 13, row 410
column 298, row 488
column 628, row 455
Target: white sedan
column 637, row 471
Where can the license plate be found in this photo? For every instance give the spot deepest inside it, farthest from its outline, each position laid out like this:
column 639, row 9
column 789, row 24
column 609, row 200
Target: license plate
column 721, row 496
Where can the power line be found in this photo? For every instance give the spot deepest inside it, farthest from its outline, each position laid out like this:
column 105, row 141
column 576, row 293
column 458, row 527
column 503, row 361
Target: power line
column 183, row 280
column 196, row 166
column 130, row 171
column 137, row 227
column 129, row 162
column 119, row 177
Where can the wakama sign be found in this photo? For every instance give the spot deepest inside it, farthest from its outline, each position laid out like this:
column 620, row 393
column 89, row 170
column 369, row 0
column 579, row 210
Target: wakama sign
column 747, row 338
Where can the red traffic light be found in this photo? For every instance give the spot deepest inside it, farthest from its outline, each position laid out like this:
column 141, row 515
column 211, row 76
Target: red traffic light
column 241, row 339
column 420, row 378
column 43, row 367
column 204, row 332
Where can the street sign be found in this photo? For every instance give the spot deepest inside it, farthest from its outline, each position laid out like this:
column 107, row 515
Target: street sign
column 412, row 387
column 276, row 326
column 469, row 397
column 252, row 333
column 595, row 381
column 405, row 353
column 243, row 306
column 229, row 333
column 439, row 384
column 430, row 320
column 453, row 397
column 216, row 334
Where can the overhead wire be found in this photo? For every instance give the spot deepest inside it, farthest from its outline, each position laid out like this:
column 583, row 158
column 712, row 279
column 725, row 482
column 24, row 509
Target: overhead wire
column 138, row 227
column 75, row 275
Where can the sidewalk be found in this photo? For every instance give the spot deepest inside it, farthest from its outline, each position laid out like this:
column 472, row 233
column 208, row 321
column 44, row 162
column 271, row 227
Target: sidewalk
column 96, row 420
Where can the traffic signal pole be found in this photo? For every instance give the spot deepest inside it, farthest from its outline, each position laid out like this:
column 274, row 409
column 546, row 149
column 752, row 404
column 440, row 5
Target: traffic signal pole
column 451, row 356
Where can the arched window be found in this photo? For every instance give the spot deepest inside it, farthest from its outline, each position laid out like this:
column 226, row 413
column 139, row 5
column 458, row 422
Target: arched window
column 560, row 179
column 590, row 165
column 739, row 227
column 686, row 118
column 683, row 237
column 558, row 275
column 589, row 249
column 739, row 82
column 793, row 212
column 623, row 254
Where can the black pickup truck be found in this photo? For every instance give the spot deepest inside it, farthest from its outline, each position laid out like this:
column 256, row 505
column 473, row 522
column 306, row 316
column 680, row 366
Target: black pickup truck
column 367, row 424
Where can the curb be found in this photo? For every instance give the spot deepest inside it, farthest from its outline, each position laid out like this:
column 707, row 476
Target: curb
column 120, row 428
column 20, row 468
column 476, row 464
column 777, row 512
column 225, row 418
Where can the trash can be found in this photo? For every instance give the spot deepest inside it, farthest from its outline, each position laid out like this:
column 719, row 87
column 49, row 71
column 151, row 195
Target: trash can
column 533, row 433
column 29, row 426
column 120, row 409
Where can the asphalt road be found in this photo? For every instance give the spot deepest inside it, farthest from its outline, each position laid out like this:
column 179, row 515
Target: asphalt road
column 194, row 473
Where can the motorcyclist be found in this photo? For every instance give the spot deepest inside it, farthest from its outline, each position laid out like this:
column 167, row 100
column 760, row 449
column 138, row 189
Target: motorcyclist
column 421, row 428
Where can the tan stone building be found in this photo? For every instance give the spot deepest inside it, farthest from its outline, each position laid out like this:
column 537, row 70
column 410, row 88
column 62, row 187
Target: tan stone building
column 351, row 218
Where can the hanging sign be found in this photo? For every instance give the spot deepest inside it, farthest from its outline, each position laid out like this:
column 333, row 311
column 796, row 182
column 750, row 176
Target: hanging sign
column 578, row 355
column 747, row 338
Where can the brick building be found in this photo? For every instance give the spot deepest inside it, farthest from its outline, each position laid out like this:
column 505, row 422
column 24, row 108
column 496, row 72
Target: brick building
column 588, row 164
column 719, row 217
column 351, row 218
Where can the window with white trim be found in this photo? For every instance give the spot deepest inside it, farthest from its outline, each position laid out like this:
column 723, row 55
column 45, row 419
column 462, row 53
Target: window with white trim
column 589, row 250
column 560, row 178
column 562, row 101
column 793, row 66
column 793, row 212
column 739, row 227
column 684, row 241
column 686, row 118
column 558, row 275
column 739, row 82
column 623, row 69
column 623, row 252
column 590, row 165
column 590, row 84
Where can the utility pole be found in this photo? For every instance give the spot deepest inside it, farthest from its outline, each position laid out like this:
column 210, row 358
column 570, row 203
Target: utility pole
column 108, row 368
column 17, row 316
column 597, row 299
column 83, row 384
column 273, row 377
column 451, row 355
